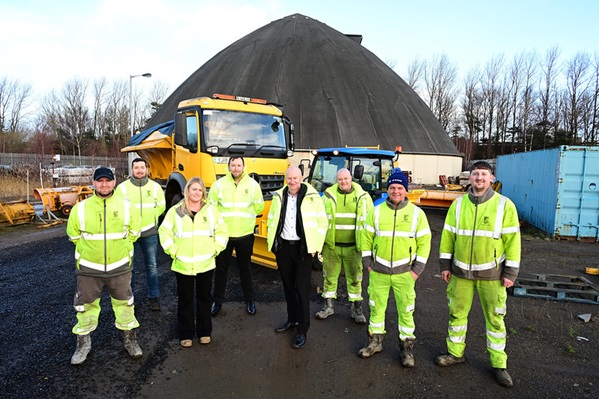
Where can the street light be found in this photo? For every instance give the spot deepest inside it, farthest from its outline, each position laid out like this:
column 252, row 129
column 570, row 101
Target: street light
column 132, row 112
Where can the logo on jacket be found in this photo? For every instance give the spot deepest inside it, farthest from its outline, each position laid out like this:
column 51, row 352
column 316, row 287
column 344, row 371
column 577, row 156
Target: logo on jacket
column 115, row 214
column 486, row 220
column 148, row 193
column 406, row 218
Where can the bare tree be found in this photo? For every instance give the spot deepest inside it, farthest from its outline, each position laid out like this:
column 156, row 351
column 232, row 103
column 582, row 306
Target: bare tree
column 416, row 70
column 440, row 82
column 490, row 90
column 471, row 109
column 14, row 98
column 547, row 91
column 577, row 81
column 99, row 93
column 156, row 97
column 74, row 113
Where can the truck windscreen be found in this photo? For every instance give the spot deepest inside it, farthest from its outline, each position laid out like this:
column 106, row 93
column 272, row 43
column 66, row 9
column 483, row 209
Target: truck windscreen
column 242, row 131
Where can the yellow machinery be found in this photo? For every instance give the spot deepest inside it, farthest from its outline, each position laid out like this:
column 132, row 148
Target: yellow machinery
column 205, row 133
column 16, row 212
column 61, row 199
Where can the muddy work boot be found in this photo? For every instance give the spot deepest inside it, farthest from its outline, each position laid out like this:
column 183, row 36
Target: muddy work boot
column 448, row 360
column 375, row 345
column 503, row 378
column 327, row 310
column 356, row 312
column 405, row 352
column 131, row 344
column 84, row 345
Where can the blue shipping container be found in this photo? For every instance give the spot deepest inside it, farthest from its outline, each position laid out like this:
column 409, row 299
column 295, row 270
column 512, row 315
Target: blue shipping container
column 555, row 190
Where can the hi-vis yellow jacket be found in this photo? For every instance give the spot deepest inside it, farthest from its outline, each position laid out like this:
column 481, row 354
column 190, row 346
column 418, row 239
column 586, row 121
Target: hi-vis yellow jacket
column 481, row 238
column 147, row 197
column 193, row 243
column 363, row 205
column 238, row 204
column 396, row 239
column 313, row 217
column 103, row 231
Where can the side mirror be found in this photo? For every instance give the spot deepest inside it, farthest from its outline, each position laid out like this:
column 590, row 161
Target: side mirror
column 181, row 129
column 358, row 172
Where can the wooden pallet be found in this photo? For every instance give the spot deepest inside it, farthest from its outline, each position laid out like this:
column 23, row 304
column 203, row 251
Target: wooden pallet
column 557, row 287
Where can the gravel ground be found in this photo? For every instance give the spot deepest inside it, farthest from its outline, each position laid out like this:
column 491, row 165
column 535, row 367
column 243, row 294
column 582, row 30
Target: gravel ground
column 248, row 360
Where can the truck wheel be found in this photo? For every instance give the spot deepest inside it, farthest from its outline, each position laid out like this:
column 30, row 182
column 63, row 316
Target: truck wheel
column 66, row 210
column 176, row 199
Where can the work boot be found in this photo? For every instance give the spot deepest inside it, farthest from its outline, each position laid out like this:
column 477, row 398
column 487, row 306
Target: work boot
column 356, row 312
column 405, row 352
column 448, row 360
column 154, row 304
column 327, row 310
column 375, row 345
column 84, row 345
column 503, row 378
column 131, row 344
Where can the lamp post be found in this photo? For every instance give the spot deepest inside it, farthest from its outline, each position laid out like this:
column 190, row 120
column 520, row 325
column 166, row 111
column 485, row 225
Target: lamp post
column 132, row 112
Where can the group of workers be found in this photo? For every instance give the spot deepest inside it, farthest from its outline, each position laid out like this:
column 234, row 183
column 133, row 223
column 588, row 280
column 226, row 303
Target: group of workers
column 479, row 251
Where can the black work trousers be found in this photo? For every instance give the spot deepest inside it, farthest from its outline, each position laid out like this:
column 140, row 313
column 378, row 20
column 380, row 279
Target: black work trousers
column 295, row 268
column 188, row 288
column 243, row 252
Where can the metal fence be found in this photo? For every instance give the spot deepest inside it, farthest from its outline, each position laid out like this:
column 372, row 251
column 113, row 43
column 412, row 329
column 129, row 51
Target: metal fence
column 33, row 162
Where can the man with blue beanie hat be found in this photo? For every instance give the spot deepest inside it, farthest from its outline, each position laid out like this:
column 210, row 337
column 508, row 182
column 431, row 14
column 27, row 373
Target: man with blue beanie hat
column 397, row 240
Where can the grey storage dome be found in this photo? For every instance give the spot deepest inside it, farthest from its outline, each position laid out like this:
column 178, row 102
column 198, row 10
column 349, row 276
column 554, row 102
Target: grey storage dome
column 335, row 91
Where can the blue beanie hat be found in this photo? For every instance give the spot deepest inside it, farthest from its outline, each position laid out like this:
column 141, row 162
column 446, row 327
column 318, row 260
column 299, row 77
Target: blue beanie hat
column 397, row 177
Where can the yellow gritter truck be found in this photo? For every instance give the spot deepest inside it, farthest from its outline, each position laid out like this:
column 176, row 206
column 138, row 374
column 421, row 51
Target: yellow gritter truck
column 204, row 134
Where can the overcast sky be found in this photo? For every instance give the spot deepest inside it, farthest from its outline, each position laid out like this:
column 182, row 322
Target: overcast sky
column 45, row 43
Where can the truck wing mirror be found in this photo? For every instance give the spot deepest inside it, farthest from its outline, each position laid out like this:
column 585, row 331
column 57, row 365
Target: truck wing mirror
column 181, row 129
column 358, row 172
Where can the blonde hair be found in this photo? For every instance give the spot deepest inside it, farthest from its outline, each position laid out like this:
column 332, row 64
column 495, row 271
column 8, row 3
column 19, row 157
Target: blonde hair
column 191, row 181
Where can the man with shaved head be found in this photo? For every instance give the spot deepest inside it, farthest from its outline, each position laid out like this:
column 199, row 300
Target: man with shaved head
column 346, row 205
column 297, row 225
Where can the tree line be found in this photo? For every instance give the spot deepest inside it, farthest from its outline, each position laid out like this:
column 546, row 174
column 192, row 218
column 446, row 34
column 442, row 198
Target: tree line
column 82, row 118
column 531, row 101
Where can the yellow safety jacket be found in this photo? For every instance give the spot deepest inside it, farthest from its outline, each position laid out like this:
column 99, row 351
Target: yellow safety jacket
column 313, row 218
column 481, row 238
column 193, row 243
column 238, row 204
column 103, row 231
column 147, row 197
column 351, row 221
column 396, row 240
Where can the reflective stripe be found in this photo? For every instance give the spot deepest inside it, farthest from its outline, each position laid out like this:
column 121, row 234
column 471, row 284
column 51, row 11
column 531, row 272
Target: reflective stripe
column 345, row 215
column 191, row 234
column 497, row 347
column 100, row 266
column 458, row 328
column 457, row 339
column 148, row 227
column 498, row 335
column 167, row 244
column 127, row 326
column 410, row 308
column 345, row 227
column 482, row 266
column 238, row 214
column 377, row 325
column 366, row 253
column 512, row 263
column 511, row 230
column 354, row 296
column 101, row 237
column 82, row 216
column 236, row 204
column 194, row 259
column 500, row 310
column 329, row 294
column 445, row 255
column 498, row 229
column 396, row 263
column 406, row 330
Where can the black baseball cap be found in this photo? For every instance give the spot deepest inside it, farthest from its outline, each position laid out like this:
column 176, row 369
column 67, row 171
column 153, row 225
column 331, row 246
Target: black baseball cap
column 103, row 171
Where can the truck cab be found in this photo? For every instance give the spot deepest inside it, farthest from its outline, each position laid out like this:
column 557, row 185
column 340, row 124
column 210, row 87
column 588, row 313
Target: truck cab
column 204, row 134
column 369, row 168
